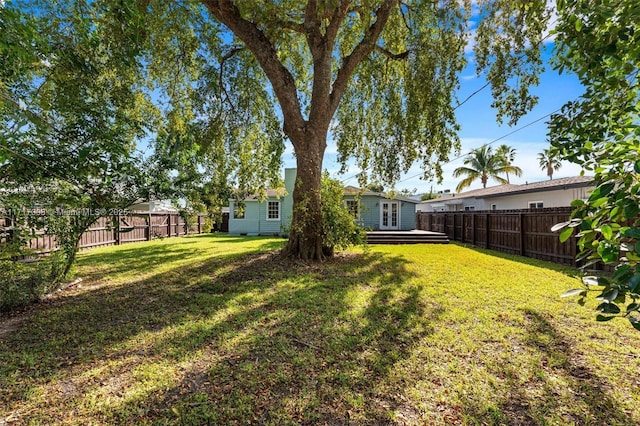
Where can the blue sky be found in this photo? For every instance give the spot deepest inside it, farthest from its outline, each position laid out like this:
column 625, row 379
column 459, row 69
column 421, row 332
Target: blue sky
column 479, row 126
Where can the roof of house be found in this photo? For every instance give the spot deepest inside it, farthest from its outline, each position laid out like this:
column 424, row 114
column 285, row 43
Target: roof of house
column 348, row 190
column 511, row 189
column 269, row 193
column 354, row 190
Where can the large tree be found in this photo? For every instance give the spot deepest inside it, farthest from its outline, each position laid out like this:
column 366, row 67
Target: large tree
column 381, row 74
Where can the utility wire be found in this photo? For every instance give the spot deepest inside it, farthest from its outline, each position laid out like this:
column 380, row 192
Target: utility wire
column 489, row 143
column 471, row 96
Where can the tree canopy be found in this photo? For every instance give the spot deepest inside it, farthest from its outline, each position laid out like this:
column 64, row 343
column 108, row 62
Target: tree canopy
column 229, row 81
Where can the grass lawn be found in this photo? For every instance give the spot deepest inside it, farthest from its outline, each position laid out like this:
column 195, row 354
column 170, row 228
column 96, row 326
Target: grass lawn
column 217, row 330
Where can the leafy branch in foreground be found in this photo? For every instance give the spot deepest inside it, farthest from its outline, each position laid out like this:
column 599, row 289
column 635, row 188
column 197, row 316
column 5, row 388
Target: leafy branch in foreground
column 600, row 42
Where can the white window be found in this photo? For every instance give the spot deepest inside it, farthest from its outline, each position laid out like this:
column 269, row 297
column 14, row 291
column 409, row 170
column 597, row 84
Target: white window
column 238, row 210
column 273, row 210
column 352, row 206
column 536, row 204
column 469, row 208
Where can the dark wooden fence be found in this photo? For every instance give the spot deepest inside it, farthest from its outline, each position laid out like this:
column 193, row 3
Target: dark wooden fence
column 522, row 232
column 139, row 226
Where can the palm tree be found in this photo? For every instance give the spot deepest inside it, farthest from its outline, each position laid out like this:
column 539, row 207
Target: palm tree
column 508, row 155
column 483, row 164
column 548, row 162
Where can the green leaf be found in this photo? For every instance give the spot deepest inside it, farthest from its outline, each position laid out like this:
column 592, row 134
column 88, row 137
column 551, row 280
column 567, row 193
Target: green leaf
column 578, row 24
column 574, row 292
column 566, row 234
column 635, row 323
column 608, row 296
column 633, row 307
column 608, row 308
column 598, row 202
column 631, row 210
column 634, row 284
column 606, row 231
column 632, row 233
column 636, row 166
column 608, row 252
column 601, row 191
column 602, row 318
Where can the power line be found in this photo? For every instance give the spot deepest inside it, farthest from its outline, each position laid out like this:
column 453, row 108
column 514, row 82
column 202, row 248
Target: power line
column 489, row 143
column 487, row 84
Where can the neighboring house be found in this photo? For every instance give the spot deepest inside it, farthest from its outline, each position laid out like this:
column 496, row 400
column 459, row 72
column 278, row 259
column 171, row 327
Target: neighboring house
column 153, row 206
column 548, row 193
column 272, row 216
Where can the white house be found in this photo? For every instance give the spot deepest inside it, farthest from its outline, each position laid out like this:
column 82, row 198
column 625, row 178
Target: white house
column 154, row 206
column 549, row 193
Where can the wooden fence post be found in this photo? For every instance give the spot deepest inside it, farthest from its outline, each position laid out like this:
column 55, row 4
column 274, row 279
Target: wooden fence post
column 199, row 224
column 473, row 229
column 444, row 225
column 454, row 227
column 522, row 234
column 488, row 230
column 462, row 227
column 169, row 224
column 149, row 227
column 116, row 230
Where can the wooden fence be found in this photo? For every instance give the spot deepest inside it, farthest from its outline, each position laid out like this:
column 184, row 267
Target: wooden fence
column 522, row 232
column 138, row 226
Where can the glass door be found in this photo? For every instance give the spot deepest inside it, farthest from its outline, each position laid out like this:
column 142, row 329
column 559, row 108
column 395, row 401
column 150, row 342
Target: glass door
column 389, row 215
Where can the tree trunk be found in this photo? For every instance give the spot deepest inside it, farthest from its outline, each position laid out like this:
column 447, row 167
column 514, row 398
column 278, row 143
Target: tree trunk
column 305, row 235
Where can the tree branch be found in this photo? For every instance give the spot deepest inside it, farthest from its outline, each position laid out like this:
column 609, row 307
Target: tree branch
column 321, row 50
column 224, row 59
column 404, row 17
column 336, row 20
column 364, row 48
column 394, row 56
column 257, row 42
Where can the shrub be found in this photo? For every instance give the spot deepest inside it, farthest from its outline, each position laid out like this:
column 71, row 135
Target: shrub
column 339, row 227
column 24, row 283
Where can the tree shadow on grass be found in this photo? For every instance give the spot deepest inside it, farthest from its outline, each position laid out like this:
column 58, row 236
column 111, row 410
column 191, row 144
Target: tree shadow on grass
column 147, row 257
column 560, row 387
column 239, row 338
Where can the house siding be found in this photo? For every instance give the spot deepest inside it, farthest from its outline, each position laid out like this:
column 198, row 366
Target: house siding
column 249, row 225
column 551, row 198
column 407, row 216
column 559, row 198
column 270, row 227
column 370, row 212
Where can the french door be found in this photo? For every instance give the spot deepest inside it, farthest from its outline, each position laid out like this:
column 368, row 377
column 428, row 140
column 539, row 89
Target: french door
column 389, row 215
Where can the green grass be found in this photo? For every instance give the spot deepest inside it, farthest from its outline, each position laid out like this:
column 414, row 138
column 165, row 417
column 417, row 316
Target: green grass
column 219, row 330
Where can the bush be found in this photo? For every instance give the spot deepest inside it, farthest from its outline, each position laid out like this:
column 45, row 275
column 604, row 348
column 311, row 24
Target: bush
column 25, row 283
column 339, row 227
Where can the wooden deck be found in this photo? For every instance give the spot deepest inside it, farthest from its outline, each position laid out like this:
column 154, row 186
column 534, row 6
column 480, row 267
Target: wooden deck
column 406, row 237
